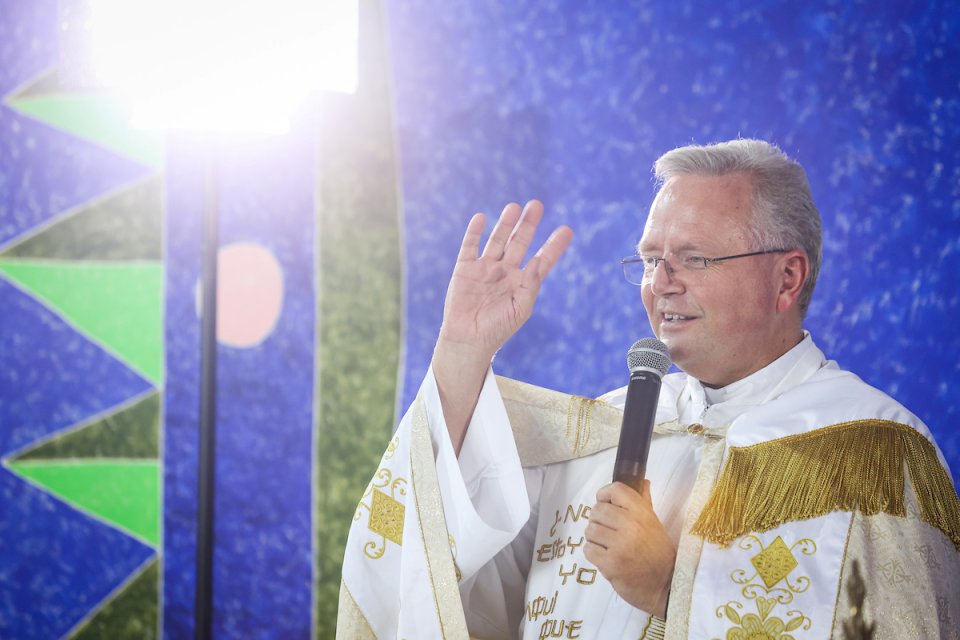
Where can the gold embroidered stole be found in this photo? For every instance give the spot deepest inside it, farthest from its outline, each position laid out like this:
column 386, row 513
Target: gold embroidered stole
column 433, row 528
column 352, row 624
column 430, row 535
column 690, row 547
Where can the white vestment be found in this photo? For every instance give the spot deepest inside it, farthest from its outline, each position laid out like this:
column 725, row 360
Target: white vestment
column 776, row 533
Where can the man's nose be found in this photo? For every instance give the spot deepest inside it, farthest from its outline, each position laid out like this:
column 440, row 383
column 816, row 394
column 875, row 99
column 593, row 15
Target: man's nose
column 663, row 280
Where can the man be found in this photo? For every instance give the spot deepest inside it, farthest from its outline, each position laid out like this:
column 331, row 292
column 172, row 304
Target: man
column 771, row 471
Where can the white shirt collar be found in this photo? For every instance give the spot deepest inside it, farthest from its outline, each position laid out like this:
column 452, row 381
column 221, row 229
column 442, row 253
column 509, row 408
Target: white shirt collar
column 762, row 386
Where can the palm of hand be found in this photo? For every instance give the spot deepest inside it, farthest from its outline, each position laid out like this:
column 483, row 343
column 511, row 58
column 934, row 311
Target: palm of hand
column 487, row 302
column 490, row 296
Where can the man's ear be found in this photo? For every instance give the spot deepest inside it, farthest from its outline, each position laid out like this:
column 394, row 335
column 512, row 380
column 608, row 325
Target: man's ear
column 793, row 269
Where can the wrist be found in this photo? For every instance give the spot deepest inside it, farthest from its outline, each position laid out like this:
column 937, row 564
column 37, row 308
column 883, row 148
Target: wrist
column 663, row 602
column 461, row 356
column 459, row 370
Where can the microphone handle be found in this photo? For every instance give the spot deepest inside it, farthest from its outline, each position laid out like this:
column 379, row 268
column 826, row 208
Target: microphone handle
column 639, row 415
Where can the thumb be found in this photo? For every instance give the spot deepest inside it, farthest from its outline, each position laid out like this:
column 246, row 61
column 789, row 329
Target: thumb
column 645, row 494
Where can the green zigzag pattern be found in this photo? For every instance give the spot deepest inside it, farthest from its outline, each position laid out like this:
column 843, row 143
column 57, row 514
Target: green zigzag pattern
column 123, row 225
column 132, row 613
column 95, row 118
column 130, row 432
column 124, row 493
column 119, row 304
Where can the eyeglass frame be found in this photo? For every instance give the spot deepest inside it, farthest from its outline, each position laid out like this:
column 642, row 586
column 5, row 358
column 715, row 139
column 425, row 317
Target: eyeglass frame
column 706, row 262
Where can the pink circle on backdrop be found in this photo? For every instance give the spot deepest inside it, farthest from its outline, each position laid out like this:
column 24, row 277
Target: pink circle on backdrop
column 249, row 294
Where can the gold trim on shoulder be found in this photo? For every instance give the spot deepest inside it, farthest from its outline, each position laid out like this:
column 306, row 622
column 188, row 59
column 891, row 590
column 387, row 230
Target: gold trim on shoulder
column 551, row 426
column 851, row 466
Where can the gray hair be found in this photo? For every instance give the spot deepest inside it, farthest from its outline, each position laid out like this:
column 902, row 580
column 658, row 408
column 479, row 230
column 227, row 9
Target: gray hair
column 784, row 215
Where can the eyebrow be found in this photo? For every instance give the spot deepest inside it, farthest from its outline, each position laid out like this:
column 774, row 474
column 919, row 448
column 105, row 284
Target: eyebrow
column 683, row 248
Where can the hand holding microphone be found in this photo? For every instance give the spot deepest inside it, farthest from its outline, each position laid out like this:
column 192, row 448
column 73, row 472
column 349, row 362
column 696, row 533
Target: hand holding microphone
column 625, row 539
column 648, row 361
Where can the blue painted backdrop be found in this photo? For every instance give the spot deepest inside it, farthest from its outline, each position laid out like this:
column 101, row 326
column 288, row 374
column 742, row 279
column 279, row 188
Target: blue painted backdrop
column 572, row 102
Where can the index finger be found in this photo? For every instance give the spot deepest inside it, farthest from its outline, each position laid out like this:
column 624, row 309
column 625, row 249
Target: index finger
column 619, row 494
column 470, row 247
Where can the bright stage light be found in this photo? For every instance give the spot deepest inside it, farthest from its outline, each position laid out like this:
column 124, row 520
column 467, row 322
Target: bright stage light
column 221, row 65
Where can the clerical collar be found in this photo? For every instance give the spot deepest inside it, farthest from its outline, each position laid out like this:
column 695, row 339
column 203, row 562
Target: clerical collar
column 756, row 387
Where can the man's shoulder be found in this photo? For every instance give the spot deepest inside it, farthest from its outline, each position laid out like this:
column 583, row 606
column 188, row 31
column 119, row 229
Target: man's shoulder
column 833, row 390
column 831, row 396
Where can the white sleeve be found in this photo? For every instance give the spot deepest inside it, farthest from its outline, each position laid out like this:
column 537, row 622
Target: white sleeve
column 489, row 502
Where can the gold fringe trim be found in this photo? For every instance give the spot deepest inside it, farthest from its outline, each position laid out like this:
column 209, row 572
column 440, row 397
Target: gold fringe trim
column 851, row 466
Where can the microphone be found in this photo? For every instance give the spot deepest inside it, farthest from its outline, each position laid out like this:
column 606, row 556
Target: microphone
column 648, row 361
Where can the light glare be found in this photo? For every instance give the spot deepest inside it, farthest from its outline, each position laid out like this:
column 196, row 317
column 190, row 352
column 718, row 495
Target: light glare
column 213, row 64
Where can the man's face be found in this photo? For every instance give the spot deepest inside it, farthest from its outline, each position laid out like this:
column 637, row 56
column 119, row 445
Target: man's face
column 720, row 323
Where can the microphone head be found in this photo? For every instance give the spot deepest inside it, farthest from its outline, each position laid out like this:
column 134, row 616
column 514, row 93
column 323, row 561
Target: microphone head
column 649, row 354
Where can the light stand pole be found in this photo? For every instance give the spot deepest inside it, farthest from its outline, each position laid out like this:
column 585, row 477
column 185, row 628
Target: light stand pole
column 203, row 611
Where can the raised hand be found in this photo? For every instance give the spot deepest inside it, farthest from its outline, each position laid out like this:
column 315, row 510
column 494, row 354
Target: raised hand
column 489, row 298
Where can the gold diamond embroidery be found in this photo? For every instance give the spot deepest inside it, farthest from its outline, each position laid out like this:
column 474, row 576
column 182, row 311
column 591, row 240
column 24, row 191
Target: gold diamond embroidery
column 774, row 563
column 386, row 517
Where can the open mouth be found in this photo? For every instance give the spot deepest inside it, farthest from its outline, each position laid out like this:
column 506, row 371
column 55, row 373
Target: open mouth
column 675, row 317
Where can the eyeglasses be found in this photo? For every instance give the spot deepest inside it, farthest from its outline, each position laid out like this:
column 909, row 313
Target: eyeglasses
column 639, row 269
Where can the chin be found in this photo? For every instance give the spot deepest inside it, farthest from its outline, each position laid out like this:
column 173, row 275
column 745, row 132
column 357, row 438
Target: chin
column 679, row 357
